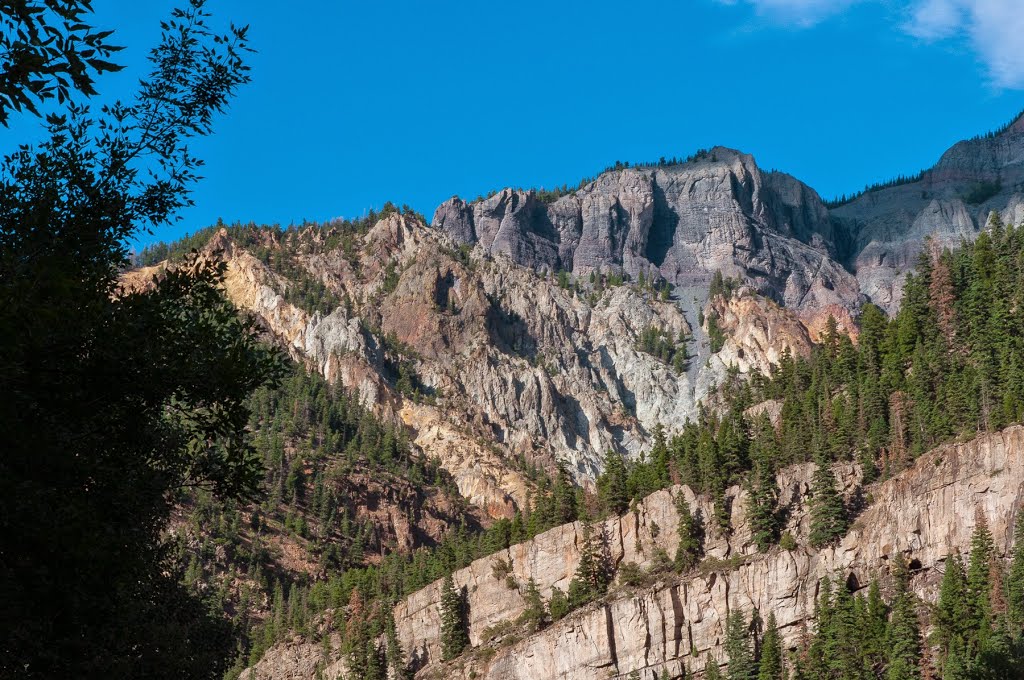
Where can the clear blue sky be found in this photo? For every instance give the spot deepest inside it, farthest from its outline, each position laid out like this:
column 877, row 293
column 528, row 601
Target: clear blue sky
column 356, row 103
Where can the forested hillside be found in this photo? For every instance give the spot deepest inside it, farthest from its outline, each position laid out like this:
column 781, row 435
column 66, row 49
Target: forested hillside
column 947, row 366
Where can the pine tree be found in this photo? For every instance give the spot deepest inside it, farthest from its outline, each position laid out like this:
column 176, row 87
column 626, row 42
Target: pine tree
column 979, row 585
column 828, row 513
column 454, row 637
column 689, row 549
column 1015, row 580
column 771, row 666
column 737, row 647
column 904, row 629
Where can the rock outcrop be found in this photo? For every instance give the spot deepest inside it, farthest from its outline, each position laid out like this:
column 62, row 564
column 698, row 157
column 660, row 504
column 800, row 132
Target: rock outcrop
column 950, row 202
column 680, row 223
column 926, row 513
column 721, row 212
column 514, row 365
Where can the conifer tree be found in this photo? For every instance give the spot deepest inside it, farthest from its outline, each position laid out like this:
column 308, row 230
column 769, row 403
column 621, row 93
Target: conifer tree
column 875, row 625
column 558, row 607
column 594, row 572
column 904, row 628
column 762, row 496
column 689, row 550
column 738, row 648
column 771, row 666
column 398, row 670
column 611, row 485
column 534, row 613
column 843, row 646
column 711, row 669
column 828, row 513
column 951, row 609
column 1015, row 580
column 454, row 637
column 979, row 585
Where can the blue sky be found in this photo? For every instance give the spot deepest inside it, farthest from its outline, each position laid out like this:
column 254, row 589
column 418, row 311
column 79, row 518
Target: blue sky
column 356, row 103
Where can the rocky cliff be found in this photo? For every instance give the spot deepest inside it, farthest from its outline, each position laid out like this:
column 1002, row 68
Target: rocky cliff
column 681, row 223
column 721, row 212
column 950, row 202
column 510, row 364
column 927, row 513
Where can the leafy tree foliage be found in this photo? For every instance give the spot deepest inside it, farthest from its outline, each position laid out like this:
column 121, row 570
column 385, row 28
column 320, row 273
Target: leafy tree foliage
column 49, row 50
column 115, row 400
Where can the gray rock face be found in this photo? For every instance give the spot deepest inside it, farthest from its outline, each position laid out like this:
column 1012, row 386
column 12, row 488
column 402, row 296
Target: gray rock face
column 681, row 223
column 888, row 226
column 721, row 212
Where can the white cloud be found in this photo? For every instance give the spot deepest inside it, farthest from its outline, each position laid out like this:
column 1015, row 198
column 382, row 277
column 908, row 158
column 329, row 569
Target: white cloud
column 935, row 19
column 802, row 13
column 992, row 28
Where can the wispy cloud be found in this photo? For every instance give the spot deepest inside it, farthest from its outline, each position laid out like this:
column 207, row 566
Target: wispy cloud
column 992, row 28
column 802, row 13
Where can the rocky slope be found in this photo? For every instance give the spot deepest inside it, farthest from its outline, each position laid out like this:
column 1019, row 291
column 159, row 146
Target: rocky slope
column 926, row 513
column 721, row 212
column 680, row 223
column 949, row 202
column 510, row 364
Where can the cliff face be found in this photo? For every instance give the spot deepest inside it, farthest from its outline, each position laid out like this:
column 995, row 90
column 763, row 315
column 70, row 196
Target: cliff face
column 950, row 202
column 721, row 212
column 678, row 222
column 514, row 365
column 926, row 513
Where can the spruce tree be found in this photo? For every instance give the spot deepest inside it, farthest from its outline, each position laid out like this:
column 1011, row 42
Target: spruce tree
column 737, row 647
column 904, row 629
column 771, row 666
column 951, row 615
column 711, row 669
column 762, row 489
column 828, row 513
column 611, row 485
column 534, row 614
column 454, row 637
column 398, row 670
column 689, row 549
column 844, row 644
column 875, row 626
column 1015, row 580
column 979, row 585
column 595, row 571
column 558, row 607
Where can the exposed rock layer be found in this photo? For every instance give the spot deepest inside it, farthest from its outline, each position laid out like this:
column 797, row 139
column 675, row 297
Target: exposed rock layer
column 926, row 513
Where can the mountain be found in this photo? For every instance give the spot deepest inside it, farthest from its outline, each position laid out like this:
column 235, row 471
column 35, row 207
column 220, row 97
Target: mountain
column 666, row 623
column 720, row 212
column 480, row 396
column 949, row 202
column 680, row 223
